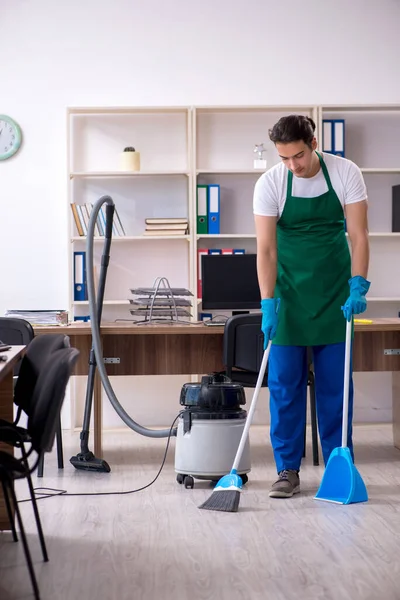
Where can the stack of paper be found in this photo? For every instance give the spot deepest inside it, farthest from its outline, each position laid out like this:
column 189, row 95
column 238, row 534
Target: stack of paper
column 40, row 317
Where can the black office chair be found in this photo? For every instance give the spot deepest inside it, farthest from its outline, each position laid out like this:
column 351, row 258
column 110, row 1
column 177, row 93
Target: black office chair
column 16, row 332
column 42, row 425
column 243, row 349
column 20, row 333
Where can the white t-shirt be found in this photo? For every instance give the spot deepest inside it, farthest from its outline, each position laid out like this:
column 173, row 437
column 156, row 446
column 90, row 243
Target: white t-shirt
column 270, row 189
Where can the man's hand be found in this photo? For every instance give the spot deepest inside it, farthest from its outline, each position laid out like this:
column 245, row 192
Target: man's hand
column 269, row 323
column 356, row 303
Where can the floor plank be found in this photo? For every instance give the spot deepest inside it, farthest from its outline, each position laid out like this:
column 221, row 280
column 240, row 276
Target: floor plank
column 157, row 544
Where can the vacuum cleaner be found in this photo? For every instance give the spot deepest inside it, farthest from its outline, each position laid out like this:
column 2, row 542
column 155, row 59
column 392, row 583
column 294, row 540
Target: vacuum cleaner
column 212, row 421
column 209, row 430
column 85, row 459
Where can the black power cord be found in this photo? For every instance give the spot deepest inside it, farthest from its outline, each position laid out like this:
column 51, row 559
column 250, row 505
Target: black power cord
column 43, row 495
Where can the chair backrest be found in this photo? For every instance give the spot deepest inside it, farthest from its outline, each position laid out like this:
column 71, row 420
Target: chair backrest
column 33, row 362
column 16, row 332
column 49, row 396
column 243, row 347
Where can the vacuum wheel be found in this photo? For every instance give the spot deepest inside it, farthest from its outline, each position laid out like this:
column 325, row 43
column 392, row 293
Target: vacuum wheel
column 188, row 482
column 244, row 478
column 180, row 478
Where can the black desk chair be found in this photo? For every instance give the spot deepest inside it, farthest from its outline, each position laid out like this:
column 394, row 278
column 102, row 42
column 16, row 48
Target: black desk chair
column 19, row 332
column 42, row 424
column 16, row 332
column 243, row 349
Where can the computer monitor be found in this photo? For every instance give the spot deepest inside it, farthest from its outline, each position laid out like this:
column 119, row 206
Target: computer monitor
column 229, row 281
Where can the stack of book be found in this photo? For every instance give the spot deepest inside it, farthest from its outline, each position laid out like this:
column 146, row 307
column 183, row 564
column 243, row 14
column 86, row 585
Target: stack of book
column 166, row 226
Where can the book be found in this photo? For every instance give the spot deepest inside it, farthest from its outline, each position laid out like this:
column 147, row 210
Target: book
column 166, row 220
column 160, row 226
column 164, row 232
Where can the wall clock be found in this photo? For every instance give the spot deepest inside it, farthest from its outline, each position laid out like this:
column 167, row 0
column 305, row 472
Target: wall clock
column 10, row 137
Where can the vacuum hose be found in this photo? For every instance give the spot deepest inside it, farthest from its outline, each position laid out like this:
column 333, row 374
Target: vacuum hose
column 95, row 320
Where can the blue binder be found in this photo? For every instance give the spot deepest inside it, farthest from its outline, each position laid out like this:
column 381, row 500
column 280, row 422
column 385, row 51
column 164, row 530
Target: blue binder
column 213, row 208
column 80, row 291
column 333, row 136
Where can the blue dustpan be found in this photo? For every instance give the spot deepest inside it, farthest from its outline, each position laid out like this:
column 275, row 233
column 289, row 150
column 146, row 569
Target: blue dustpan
column 341, row 482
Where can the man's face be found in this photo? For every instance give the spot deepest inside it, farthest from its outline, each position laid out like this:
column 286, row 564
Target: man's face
column 298, row 157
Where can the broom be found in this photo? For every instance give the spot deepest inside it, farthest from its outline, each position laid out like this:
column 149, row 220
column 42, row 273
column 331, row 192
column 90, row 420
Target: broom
column 226, row 494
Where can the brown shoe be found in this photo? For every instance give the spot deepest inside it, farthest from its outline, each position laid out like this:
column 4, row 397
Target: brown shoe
column 287, row 484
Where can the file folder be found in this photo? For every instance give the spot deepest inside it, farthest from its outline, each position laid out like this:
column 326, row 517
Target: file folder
column 338, row 137
column 327, row 142
column 202, row 202
column 200, row 252
column 80, row 276
column 238, row 251
column 333, row 133
column 215, row 251
column 213, row 208
column 396, row 208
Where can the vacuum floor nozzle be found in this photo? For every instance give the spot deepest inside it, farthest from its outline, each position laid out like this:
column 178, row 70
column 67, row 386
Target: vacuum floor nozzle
column 88, row 462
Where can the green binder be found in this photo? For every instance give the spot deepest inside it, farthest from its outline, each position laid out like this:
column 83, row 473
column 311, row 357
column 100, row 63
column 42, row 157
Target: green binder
column 202, row 203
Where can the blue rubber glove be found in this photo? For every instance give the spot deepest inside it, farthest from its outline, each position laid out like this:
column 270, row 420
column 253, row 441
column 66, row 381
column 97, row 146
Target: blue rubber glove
column 269, row 323
column 356, row 303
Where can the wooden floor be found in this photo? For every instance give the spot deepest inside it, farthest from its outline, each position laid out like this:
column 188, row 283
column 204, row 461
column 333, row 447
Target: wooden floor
column 157, row 545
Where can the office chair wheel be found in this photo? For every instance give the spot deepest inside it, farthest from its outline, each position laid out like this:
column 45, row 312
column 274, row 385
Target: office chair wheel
column 244, row 478
column 188, row 482
column 180, row 478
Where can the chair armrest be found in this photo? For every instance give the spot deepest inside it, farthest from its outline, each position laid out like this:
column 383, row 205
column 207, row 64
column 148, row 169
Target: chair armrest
column 12, row 435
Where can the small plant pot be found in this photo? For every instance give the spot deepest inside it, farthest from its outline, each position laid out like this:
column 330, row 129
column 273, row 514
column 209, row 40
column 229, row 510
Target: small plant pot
column 130, row 161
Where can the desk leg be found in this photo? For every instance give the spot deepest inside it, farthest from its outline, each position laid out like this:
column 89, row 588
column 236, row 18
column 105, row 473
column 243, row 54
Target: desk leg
column 6, row 412
column 97, row 416
column 396, row 408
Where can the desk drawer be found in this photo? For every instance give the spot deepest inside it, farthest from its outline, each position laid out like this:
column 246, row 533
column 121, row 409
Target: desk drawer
column 163, row 354
column 369, row 348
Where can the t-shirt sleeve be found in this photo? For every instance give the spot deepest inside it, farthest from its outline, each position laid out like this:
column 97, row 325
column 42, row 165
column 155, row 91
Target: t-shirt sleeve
column 265, row 198
column 355, row 189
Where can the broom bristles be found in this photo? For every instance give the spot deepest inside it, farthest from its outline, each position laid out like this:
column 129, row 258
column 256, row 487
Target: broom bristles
column 223, row 500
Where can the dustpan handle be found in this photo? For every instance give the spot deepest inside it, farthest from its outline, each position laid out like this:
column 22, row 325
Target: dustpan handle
column 250, row 414
column 346, row 383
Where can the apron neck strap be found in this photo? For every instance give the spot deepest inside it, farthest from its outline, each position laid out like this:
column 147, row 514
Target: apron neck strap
column 324, row 170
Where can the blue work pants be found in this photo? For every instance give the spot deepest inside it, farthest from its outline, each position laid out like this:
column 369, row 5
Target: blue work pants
column 287, row 382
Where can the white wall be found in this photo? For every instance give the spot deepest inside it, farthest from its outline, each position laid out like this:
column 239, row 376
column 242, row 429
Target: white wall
column 98, row 52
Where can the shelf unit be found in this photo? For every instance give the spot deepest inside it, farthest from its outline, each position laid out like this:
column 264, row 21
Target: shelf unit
column 162, row 188
column 183, row 146
column 371, row 141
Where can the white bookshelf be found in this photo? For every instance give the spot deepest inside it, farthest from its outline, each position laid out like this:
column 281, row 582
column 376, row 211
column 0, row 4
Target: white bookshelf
column 371, row 141
column 224, row 138
column 183, row 146
column 161, row 188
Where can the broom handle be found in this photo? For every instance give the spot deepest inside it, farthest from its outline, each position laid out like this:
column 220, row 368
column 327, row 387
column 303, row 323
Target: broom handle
column 346, row 384
column 252, row 407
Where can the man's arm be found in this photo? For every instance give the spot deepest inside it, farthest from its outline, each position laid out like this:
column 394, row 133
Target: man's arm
column 357, row 228
column 266, row 254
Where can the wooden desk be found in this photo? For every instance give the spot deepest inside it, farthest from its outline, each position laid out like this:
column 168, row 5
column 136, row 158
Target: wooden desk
column 189, row 349
column 6, row 409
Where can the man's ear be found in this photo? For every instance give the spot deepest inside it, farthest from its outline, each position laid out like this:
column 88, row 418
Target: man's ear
column 314, row 143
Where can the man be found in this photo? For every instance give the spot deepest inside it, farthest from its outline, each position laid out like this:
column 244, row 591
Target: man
column 309, row 286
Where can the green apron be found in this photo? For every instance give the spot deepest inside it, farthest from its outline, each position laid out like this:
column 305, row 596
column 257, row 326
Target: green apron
column 313, row 270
